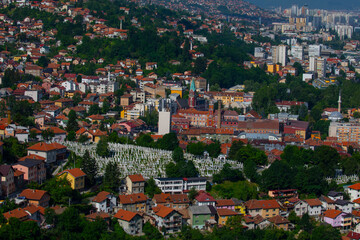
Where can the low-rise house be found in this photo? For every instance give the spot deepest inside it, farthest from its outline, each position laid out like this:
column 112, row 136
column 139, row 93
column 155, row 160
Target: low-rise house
column 265, row 208
column 45, row 150
column 175, row 201
column 223, row 215
column 300, row 207
column 314, row 207
column 204, row 199
column 327, row 203
column 239, row 206
column 135, row 183
column 75, row 176
column 131, row 222
column 354, row 191
column 255, row 222
column 167, row 219
column 7, row 180
column 18, row 213
column 199, row 215
column 104, row 202
column 344, row 206
column 335, row 195
column 93, row 216
column 280, row 222
column 36, row 197
column 225, row 203
column 136, row 202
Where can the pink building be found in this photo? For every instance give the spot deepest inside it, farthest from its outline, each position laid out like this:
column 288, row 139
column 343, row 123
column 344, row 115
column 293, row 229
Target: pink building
column 337, row 218
column 34, row 169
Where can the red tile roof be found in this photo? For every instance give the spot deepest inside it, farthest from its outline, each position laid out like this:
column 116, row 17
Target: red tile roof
column 42, row 147
column 355, row 186
column 101, row 196
column 204, row 197
column 125, row 215
column 278, row 220
column 136, row 178
column 332, row 213
column 162, row 211
column 262, row 204
column 226, row 212
column 133, row 198
column 16, row 213
column 313, row 202
column 33, row 194
column 75, row 172
column 224, row 202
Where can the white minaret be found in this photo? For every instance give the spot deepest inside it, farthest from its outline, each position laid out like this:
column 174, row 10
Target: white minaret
column 339, row 102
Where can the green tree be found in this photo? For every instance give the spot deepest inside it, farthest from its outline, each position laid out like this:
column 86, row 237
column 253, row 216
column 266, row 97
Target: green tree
column 90, row 167
column 72, row 124
column 94, row 109
column 196, row 148
column 192, row 194
column 102, row 148
column 200, row 65
column 43, row 61
column 71, row 136
column 168, row 142
column 151, row 188
column 76, row 98
column 228, row 174
column 151, row 232
column 111, row 179
column 178, row 155
column 325, row 232
column 47, row 134
column 83, row 138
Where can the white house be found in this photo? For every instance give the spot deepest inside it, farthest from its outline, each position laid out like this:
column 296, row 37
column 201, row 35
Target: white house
column 354, row 191
column 69, row 85
column 344, row 205
column 301, row 207
column 104, row 202
column 314, row 207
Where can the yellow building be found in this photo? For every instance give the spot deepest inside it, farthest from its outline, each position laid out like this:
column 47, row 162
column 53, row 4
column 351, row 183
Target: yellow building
column 265, row 208
column 227, row 98
column 75, row 176
column 17, row 58
column 224, row 214
column 273, row 68
column 178, row 90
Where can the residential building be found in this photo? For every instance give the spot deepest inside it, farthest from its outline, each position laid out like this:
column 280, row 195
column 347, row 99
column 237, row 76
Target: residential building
column 131, row 222
column 36, row 197
column 280, row 222
column 279, row 55
column 135, row 183
column 337, row 219
column 199, row 215
column 45, row 150
column 104, row 202
column 354, row 191
column 136, row 202
column 7, row 180
column 344, row 205
column 168, row 219
column 223, row 215
column 175, row 201
column 265, row 208
column 34, row 169
column 314, row 207
column 75, row 176
column 204, row 199
column 345, row 132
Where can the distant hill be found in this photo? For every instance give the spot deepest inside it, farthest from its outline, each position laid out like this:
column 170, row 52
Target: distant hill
column 321, row 4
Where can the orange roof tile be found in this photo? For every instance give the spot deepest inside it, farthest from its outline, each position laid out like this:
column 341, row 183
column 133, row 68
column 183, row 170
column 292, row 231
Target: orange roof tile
column 162, row 211
column 42, row 147
column 355, row 186
column 125, row 215
column 33, row 194
column 313, row 202
column 226, row 212
column 133, row 198
column 75, row 172
column 332, row 213
column 137, row 178
column 101, row 196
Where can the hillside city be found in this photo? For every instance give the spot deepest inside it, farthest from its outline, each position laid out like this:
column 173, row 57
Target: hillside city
column 178, row 120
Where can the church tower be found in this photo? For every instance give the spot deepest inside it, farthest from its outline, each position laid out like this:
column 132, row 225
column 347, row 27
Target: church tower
column 192, row 97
